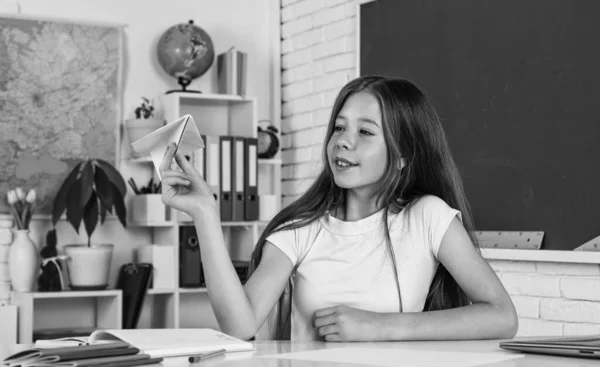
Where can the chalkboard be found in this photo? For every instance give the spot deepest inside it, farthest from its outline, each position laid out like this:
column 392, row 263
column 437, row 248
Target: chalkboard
column 517, row 86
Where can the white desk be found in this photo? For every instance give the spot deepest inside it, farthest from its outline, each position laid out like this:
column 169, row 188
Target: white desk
column 266, row 348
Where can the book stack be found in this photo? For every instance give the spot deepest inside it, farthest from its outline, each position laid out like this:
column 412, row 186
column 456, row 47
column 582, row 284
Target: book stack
column 126, row 347
column 5, row 241
column 102, row 354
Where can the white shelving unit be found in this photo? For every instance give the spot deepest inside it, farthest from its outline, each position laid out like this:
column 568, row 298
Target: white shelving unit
column 163, row 307
column 215, row 115
column 106, row 307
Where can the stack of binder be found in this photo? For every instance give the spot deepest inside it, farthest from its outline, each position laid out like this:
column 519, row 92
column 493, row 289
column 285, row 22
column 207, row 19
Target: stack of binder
column 229, row 166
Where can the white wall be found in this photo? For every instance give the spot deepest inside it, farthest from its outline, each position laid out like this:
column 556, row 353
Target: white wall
column 552, row 298
column 318, row 51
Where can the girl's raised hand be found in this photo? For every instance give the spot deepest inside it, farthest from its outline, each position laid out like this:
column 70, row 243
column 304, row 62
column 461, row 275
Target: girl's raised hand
column 186, row 191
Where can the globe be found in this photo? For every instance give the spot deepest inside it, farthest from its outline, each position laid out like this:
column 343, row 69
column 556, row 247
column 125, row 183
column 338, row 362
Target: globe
column 185, row 51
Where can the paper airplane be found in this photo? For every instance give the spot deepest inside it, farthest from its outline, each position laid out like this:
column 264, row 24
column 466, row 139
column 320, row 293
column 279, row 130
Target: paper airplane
column 182, row 131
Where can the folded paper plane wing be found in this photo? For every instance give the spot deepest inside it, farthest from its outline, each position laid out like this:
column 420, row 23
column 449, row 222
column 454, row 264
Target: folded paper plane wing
column 182, row 131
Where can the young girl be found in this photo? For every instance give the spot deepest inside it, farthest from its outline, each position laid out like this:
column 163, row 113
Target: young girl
column 379, row 247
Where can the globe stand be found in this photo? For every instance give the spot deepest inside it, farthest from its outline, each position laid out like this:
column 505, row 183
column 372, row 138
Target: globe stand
column 184, row 82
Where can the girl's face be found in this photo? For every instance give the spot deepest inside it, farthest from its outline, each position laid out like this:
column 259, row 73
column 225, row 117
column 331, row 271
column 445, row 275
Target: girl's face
column 357, row 151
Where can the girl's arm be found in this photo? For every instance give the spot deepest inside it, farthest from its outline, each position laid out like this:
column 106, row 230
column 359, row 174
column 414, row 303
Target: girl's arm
column 240, row 310
column 491, row 315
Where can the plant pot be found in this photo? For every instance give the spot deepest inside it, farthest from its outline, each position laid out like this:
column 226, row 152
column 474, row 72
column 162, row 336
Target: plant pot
column 138, row 128
column 89, row 267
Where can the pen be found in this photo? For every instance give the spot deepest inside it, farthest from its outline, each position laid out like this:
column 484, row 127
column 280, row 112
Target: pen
column 203, row 356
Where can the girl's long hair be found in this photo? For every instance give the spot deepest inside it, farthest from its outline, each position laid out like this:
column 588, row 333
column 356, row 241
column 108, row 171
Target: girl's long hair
column 412, row 130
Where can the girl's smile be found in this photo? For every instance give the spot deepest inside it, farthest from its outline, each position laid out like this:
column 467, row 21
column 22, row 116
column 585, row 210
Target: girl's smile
column 342, row 164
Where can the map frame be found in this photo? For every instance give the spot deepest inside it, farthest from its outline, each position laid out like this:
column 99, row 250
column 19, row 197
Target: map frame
column 109, row 128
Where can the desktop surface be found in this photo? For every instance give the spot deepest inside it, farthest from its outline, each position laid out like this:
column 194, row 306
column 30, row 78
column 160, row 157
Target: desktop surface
column 264, row 349
column 267, row 350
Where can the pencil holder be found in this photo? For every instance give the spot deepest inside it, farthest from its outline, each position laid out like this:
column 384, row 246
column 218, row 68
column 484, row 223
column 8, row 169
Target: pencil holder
column 148, row 208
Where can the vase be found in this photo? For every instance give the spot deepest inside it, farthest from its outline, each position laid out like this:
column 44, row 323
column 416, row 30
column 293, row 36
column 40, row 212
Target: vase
column 23, row 262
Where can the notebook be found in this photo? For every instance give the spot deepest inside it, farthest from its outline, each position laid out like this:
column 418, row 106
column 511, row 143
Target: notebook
column 571, row 346
column 169, row 342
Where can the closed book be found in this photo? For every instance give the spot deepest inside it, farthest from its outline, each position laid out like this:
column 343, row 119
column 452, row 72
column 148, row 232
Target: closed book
column 49, row 356
column 157, row 343
column 173, row 342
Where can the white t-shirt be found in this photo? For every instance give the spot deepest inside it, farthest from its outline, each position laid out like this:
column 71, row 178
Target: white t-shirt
column 348, row 263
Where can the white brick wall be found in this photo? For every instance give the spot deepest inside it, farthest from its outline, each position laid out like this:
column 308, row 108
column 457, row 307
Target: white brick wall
column 317, row 58
column 552, row 298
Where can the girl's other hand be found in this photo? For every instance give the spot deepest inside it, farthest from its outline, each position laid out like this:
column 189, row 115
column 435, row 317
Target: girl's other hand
column 345, row 324
column 186, row 191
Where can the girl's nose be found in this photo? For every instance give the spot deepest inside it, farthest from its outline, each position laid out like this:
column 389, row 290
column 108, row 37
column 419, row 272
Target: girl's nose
column 344, row 141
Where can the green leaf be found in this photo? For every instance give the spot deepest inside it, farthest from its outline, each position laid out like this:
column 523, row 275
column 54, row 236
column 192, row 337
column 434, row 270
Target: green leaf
column 90, row 217
column 51, row 238
column 87, row 183
column 113, row 175
column 102, row 212
column 120, row 207
column 74, row 210
column 60, row 200
column 104, row 190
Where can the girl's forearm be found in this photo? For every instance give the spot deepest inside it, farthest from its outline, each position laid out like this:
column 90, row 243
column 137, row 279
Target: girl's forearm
column 475, row 321
column 227, row 297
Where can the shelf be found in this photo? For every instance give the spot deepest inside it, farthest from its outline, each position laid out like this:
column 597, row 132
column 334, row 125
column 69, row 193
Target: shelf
column 269, row 161
column 69, row 294
column 238, row 224
column 214, row 97
column 217, row 115
column 148, row 159
column 145, row 159
column 555, row 256
column 160, row 291
column 191, row 223
column 193, row 290
column 223, row 224
column 152, row 224
column 107, row 305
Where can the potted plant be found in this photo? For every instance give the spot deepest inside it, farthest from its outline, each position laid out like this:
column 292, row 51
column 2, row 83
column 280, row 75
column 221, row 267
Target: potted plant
column 90, row 191
column 144, row 122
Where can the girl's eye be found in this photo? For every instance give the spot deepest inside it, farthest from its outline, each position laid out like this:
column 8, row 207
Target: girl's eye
column 366, row 132
column 338, row 128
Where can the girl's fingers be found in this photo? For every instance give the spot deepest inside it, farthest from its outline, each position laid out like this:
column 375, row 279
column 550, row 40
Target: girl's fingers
column 179, row 174
column 172, row 181
column 329, row 329
column 165, row 165
column 185, row 165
